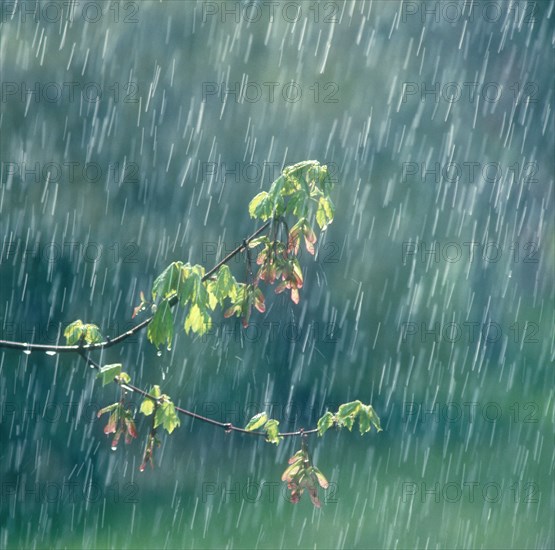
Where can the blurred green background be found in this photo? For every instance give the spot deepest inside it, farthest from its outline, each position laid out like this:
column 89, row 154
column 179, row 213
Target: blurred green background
column 149, row 127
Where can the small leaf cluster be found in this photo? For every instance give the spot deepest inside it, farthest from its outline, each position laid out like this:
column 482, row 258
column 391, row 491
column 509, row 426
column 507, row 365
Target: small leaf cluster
column 185, row 282
column 163, row 408
column 302, row 190
column 243, row 298
column 261, row 421
column 301, row 475
column 276, row 261
column 346, row 416
column 120, row 422
column 155, row 404
column 79, row 333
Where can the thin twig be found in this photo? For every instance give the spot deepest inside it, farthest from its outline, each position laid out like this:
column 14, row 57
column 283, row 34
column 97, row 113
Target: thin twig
column 227, row 426
column 24, row 346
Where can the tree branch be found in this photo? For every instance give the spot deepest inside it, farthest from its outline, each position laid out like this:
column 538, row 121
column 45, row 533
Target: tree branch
column 227, row 426
column 109, row 342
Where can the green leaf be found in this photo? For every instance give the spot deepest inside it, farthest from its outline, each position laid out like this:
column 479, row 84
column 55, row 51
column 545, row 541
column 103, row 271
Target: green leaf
column 300, row 168
column 324, row 180
column 374, row 418
column 73, row 332
column 364, row 422
column 107, row 409
column 257, row 421
column 168, row 281
column 260, row 206
column 193, row 290
column 198, row 320
column 160, row 329
column 212, row 300
column 224, row 284
column 155, row 392
column 166, row 416
column 78, row 331
column 347, row 413
column 279, row 186
column 92, row 334
column 272, row 432
column 324, row 213
column 325, row 423
column 124, row 378
column 348, row 409
column 147, row 406
column 298, row 204
column 109, row 372
column 265, row 205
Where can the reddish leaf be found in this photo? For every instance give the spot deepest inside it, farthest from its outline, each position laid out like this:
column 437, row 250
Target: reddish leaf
column 259, row 301
column 131, row 428
column 293, row 242
column 297, row 274
column 314, row 497
column 230, row 312
column 309, row 234
column 281, row 287
column 116, row 438
column 261, row 257
column 112, row 424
